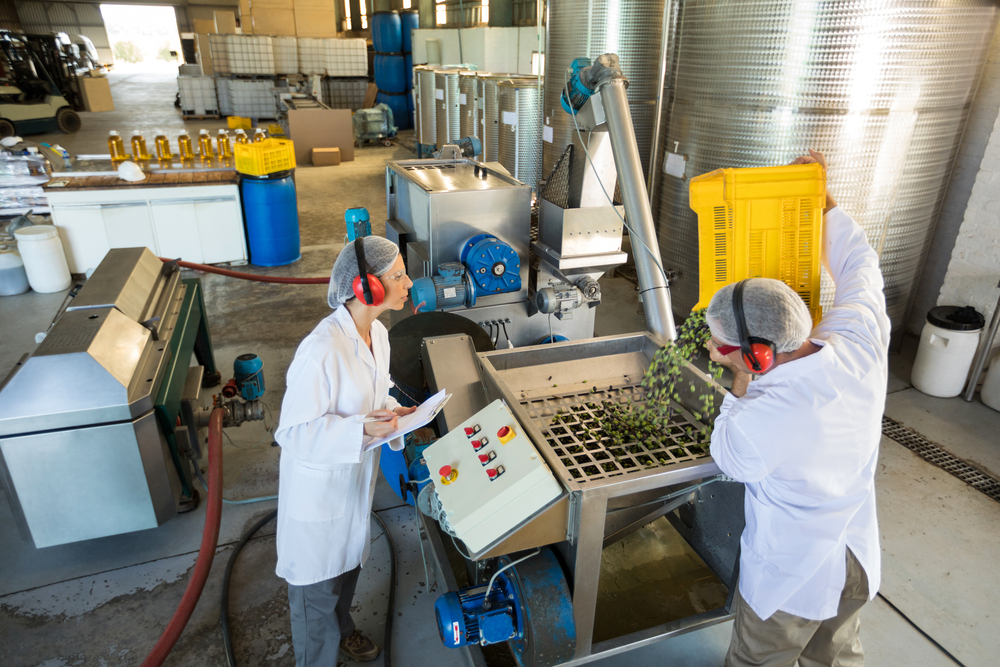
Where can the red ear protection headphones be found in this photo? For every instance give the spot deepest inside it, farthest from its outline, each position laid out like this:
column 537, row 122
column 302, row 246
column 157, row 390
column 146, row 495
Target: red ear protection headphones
column 758, row 353
column 368, row 288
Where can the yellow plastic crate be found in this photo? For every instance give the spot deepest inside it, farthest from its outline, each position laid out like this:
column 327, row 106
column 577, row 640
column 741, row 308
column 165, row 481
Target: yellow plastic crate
column 264, row 157
column 764, row 222
column 239, row 123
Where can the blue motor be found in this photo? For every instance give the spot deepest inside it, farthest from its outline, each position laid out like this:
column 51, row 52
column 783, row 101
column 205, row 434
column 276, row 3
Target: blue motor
column 248, row 372
column 489, row 266
column 358, row 223
column 473, row 616
column 576, row 93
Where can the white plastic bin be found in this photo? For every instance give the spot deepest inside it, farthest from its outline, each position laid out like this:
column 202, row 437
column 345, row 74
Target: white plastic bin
column 44, row 259
column 13, row 279
column 990, row 391
column 948, row 343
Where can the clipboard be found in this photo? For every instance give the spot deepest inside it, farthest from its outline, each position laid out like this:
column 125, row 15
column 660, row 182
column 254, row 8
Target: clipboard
column 423, row 415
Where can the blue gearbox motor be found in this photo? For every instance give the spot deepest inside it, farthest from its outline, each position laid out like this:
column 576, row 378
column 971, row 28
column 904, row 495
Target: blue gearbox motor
column 477, row 616
column 248, row 372
column 488, row 266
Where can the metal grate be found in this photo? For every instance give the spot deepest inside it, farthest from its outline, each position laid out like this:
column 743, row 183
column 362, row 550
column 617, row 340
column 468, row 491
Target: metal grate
column 936, row 455
column 77, row 336
column 587, row 459
column 556, row 189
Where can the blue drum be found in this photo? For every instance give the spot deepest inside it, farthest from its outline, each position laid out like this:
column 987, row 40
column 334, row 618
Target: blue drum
column 408, row 59
column 272, row 219
column 410, row 21
column 401, row 115
column 387, row 36
column 390, row 72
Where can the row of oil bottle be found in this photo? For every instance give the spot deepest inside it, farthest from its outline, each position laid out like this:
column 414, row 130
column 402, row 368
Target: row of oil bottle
column 116, row 145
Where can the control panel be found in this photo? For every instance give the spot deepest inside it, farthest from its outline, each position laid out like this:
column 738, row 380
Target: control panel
column 489, row 476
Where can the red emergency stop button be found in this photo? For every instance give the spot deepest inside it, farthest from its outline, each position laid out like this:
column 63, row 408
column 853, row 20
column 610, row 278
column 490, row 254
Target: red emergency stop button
column 504, row 430
column 445, row 471
column 448, row 474
column 506, row 434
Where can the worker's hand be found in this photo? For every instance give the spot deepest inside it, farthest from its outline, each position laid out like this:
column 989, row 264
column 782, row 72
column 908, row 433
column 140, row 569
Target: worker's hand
column 403, row 411
column 380, row 429
column 741, row 378
column 820, row 159
column 721, row 359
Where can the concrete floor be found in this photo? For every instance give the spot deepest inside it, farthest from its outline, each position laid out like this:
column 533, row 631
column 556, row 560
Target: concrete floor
column 105, row 602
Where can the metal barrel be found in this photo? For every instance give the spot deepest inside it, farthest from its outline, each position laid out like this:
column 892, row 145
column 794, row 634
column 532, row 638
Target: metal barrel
column 520, row 129
column 468, row 96
column 426, row 116
column 889, row 115
column 489, row 111
column 446, row 104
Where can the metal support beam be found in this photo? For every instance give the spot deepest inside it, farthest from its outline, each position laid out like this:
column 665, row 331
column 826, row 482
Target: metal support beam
column 653, row 288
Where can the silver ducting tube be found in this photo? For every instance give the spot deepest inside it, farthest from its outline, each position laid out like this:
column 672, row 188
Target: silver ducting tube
column 653, row 288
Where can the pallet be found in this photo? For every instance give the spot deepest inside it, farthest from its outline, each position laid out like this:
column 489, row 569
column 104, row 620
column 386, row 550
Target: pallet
column 201, row 116
column 370, row 94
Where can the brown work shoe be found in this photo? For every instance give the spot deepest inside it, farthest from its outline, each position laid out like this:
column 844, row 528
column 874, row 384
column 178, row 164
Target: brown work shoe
column 358, row 647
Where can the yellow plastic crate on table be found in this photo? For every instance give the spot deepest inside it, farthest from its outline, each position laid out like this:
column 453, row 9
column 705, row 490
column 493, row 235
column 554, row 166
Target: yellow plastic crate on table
column 264, row 157
column 762, row 222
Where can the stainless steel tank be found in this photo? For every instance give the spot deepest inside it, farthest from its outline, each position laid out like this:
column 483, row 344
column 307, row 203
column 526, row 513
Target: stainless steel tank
column 468, row 96
column 630, row 28
column 520, row 128
column 489, row 111
column 884, row 91
column 446, row 105
column 425, row 111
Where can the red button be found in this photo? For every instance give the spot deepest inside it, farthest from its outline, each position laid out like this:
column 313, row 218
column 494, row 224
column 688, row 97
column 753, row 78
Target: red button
column 484, row 458
column 469, row 430
column 445, row 471
column 477, row 444
column 491, row 472
column 504, row 430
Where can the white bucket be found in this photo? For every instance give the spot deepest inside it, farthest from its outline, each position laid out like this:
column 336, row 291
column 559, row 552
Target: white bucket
column 945, row 353
column 13, row 279
column 44, row 259
column 990, row 392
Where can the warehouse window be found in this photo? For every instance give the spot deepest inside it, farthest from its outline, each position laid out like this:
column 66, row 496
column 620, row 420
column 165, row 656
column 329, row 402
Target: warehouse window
column 364, row 16
column 440, row 13
column 537, row 62
column 407, row 4
column 486, row 12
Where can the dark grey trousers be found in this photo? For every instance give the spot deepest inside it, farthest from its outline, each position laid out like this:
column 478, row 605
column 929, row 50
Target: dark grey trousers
column 321, row 615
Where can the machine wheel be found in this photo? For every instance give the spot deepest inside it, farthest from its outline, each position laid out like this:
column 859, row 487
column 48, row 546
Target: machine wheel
column 68, row 120
column 6, row 129
column 387, row 142
column 549, row 629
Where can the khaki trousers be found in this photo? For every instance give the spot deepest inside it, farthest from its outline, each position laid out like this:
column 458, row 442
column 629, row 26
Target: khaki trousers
column 782, row 639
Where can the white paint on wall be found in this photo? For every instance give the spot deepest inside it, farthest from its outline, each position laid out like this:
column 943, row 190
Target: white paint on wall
column 489, row 49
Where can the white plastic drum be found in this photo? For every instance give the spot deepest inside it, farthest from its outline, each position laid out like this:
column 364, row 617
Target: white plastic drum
column 44, row 259
column 948, row 343
column 990, row 391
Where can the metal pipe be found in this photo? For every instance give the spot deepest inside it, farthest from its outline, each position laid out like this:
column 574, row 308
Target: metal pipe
column 653, row 288
column 984, row 350
column 654, row 148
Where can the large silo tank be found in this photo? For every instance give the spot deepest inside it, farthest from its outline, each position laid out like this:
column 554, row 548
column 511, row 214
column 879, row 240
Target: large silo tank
column 520, row 129
column 468, row 106
column 884, row 91
column 629, row 28
column 446, row 105
column 489, row 111
column 425, row 112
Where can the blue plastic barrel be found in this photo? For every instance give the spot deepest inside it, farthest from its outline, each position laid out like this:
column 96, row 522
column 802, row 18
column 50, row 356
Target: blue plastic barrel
column 408, row 59
column 400, row 112
column 390, row 72
column 409, row 20
column 272, row 219
column 387, row 36
column 409, row 109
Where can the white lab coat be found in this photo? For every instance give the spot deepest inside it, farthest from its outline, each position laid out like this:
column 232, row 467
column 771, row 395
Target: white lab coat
column 805, row 441
column 327, row 481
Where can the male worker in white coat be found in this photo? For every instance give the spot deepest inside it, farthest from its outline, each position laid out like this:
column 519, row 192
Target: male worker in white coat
column 804, row 438
column 338, row 378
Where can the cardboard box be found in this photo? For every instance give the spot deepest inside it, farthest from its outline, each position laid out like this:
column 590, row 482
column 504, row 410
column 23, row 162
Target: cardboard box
column 315, row 23
column 205, row 55
column 278, row 22
column 330, row 5
column 326, row 157
column 271, row 4
column 204, row 26
column 321, row 128
column 225, row 22
column 96, row 93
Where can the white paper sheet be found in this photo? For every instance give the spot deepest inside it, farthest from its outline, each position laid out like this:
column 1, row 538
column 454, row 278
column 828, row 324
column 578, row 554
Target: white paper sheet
column 416, row 419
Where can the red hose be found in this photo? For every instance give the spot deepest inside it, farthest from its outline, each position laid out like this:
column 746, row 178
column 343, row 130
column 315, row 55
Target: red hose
column 248, row 276
column 209, row 542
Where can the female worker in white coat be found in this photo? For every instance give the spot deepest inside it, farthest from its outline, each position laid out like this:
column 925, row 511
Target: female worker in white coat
column 339, row 376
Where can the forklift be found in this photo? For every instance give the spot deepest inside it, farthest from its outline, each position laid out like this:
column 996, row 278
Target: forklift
column 30, row 100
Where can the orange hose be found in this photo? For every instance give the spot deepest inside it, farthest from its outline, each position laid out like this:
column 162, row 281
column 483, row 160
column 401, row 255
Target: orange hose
column 209, row 542
column 248, row 276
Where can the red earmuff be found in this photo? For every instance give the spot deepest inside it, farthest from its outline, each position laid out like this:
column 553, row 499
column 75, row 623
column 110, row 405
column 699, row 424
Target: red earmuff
column 376, row 286
column 763, row 353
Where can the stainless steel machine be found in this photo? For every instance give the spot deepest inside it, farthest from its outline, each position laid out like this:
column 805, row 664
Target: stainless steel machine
column 98, row 425
column 576, row 546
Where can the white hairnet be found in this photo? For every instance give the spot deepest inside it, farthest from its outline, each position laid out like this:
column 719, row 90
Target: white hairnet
column 380, row 253
column 772, row 311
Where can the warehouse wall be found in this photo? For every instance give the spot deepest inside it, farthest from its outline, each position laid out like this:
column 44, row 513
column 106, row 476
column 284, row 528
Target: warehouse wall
column 8, row 16
column 974, row 269
column 978, row 133
column 75, row 18
column 490, row 49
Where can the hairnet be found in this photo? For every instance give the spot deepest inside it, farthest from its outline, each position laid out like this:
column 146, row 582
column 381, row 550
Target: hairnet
column 772, row 310
column 380, row 253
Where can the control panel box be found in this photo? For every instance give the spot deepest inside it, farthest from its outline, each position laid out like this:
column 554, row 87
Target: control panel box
column 489, row 476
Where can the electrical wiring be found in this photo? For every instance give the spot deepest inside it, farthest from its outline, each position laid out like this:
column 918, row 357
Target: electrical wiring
column 489, row 586
column 631, row 231
column 505, row 334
